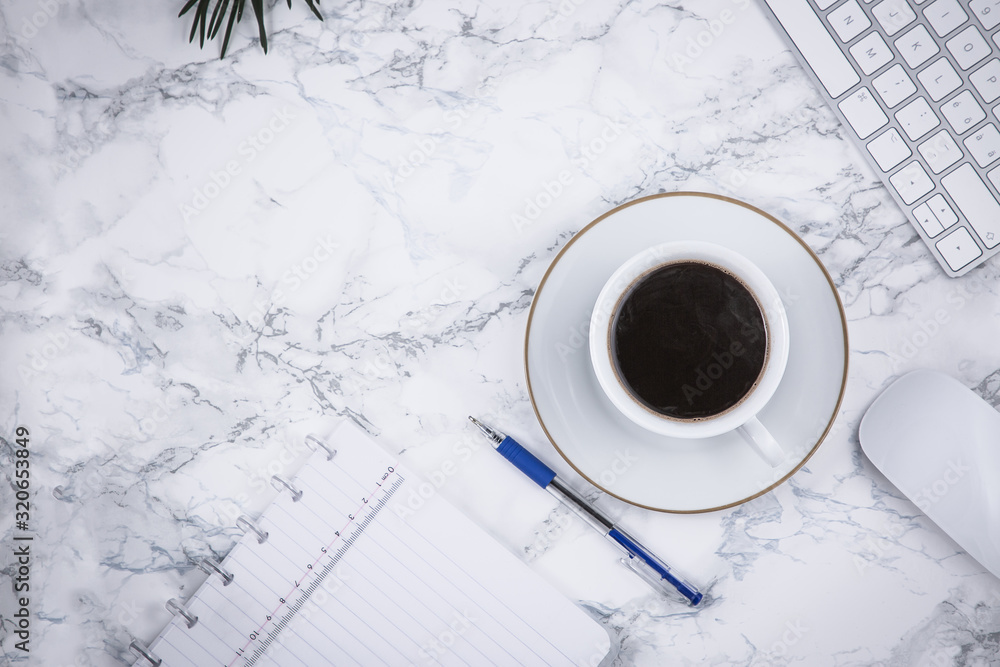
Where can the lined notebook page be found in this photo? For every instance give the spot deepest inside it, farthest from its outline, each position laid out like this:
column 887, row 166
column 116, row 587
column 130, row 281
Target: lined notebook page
column 351, row 575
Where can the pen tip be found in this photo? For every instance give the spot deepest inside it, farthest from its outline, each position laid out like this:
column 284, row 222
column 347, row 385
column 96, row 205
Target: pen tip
column 490, row 433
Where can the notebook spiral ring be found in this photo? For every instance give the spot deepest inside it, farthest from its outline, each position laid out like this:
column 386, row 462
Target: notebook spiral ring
column 245, row 524
column 296, row 592
column 175, row 607
column 330, row 453
column 140, row 651
column 212, row 567
column 278, row 482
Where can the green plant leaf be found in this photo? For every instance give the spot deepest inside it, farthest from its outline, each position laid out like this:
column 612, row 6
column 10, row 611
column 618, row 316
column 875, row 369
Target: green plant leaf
column 201, row 20
column 188, row 6
column 234, row 17
column 258, row 10
column 217, row 16
column 312, row 6
column 203, row 24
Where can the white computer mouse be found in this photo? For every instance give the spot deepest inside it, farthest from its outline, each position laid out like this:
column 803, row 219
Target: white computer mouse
column 939, row 443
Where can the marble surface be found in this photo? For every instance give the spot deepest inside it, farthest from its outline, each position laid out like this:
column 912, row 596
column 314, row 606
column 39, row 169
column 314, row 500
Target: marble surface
column 203, row 260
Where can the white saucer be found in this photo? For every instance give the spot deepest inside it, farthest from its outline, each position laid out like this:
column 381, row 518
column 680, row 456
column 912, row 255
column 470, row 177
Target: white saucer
column 654, row 471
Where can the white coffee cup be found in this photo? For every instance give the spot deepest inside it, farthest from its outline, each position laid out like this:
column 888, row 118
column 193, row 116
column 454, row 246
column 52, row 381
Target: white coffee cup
column 742, row 417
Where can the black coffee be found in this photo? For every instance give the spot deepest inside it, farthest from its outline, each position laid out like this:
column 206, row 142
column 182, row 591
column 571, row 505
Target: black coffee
column 688, row 340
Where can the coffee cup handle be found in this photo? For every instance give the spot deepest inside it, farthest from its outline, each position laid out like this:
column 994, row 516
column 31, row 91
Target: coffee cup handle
column 762, row 442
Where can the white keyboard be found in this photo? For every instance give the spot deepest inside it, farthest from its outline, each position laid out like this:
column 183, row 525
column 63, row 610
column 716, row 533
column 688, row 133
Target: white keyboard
column 918, row 84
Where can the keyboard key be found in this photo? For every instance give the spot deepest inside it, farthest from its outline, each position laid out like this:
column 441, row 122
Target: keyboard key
column 917, row 46
column 986, row 79
column 848, row 20
column 968, row 47
column 863, row 113
column 944, row 213
column 817, row 47
column 976, row 203
column 889, row 149
column 939, row 79
column 928, row 221
column 994, row 176
column 893, row 15
column 963, row 111
column 940, row 151
column 917, row 118
column 825, row 4
column 893, row 85
column 945, row 15
column 987, row 11
column 911, row 182
column 958, row 248
column 984, row 145
column 871, row 52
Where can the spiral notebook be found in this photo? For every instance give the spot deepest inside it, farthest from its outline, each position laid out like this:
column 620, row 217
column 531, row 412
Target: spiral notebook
column 344, row 569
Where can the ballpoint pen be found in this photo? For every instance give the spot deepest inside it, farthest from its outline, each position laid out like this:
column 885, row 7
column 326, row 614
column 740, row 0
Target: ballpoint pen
column 640, row 559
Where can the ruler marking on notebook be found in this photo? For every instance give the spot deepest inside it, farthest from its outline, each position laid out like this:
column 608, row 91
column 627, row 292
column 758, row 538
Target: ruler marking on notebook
column 265, row 640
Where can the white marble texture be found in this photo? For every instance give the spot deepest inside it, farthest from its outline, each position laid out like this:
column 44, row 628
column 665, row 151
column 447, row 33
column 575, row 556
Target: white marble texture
column 203, row 260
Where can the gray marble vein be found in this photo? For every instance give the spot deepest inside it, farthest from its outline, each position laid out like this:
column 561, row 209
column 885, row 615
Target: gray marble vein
column 202, row 260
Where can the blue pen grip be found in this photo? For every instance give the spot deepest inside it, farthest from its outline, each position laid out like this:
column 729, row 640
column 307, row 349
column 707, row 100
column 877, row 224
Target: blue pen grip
column 526, row 462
